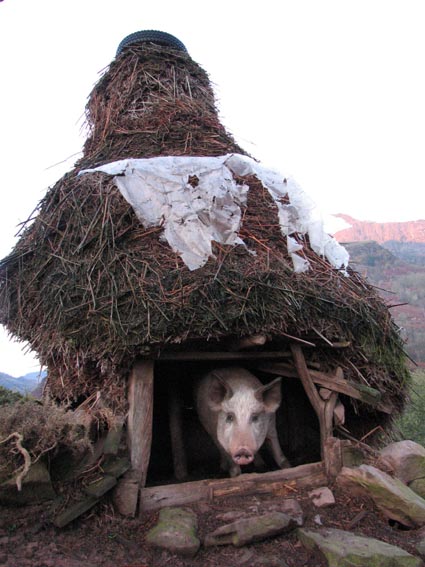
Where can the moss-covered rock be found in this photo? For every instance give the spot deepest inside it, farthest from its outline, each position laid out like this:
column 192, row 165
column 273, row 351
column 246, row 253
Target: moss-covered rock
column 406, row 458
column 345, row 549
column 250, row 530
column 176, row 532
column 396, row 500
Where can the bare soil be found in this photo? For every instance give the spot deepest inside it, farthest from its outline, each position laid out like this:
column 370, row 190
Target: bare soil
column 102, row 538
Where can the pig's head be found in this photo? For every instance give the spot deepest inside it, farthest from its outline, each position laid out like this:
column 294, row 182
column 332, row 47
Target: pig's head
column 244, row 415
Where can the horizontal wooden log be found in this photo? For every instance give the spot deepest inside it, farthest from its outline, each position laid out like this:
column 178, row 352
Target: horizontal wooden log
column 360, row 392
column 222, row 355
column 247, row 342
column 281, row 482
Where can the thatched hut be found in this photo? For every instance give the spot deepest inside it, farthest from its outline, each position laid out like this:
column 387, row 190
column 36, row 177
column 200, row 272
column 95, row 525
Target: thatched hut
column 113, row 304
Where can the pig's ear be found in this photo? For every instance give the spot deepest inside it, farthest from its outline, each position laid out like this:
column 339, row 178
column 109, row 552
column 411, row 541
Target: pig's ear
column 270, row 395
column 218, row 391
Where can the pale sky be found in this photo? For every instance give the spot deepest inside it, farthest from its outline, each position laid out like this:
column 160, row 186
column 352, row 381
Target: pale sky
column 331, row 92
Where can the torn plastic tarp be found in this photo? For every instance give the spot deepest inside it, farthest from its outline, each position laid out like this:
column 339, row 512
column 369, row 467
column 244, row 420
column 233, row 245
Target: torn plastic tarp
column 197, row 201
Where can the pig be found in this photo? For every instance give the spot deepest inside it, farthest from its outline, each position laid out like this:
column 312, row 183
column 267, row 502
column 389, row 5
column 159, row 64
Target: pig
column 238, row 412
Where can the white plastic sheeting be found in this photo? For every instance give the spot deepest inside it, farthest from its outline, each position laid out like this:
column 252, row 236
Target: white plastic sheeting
column 197, row 200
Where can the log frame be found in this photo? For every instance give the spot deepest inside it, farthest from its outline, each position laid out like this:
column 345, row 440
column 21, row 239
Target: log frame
column 324, row 410
column 334, row 382
column 280, row 483
column 140, row 418
column 140, row 423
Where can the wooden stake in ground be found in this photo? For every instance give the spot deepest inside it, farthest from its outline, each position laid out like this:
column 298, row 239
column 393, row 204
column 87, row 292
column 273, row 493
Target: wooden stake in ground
column 140, row 418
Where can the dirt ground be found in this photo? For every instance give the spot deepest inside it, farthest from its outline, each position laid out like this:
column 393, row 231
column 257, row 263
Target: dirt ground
column 102, row 538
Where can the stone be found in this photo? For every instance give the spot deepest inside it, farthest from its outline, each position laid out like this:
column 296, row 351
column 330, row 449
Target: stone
column 418, row 486
column 345, row 549
column 291, row 507
column 250, row 530
column 231, row 516
column 406, row 459
column 396, row 500
column 176, row 532
column 352, row 455
column 420, row 547
column 36, row 487
column 322, row 497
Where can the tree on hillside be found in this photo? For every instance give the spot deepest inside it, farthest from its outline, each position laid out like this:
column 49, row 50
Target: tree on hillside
column 411, row 424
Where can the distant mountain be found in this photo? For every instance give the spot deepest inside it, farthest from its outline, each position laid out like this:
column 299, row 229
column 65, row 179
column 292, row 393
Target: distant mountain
column 410, row 231
column 412, row 252
column 24, row 384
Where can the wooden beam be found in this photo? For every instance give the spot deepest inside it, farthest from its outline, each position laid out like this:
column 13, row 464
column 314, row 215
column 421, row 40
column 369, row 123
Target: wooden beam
column 222, row 355
column 304, row 376
column 140, row 417
column 248, row 342
column 281, row 483
column 324, row 408
column 333, row 451
column 333, row 382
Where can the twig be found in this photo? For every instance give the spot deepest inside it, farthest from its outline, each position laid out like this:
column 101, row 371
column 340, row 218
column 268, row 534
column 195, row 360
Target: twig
column 371, row 432
column 24, row 453
column 322, row 336
column 364, row 446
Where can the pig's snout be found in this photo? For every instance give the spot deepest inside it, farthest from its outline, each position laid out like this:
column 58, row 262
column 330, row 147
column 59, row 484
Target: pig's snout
column 243, row 456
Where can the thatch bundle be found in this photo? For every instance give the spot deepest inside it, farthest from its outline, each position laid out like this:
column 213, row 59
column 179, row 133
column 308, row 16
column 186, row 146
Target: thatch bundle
column 91, row 289
column 153, row 101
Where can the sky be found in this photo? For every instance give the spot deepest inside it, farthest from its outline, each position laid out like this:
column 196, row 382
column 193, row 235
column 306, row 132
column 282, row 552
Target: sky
column 330, row 92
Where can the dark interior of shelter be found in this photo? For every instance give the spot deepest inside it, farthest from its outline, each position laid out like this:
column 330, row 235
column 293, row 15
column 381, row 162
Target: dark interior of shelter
column 297, row 424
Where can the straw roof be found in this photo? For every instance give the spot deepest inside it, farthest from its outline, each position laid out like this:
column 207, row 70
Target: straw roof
column 90, row 288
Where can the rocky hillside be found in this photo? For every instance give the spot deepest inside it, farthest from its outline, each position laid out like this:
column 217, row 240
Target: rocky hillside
column 412, row 252
column 411, row 231
column 397, row 268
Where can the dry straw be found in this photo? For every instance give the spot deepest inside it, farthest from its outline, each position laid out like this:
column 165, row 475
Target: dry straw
column 90, row 289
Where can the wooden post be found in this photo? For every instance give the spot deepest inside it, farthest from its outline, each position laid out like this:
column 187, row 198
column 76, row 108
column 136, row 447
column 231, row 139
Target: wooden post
column 324, row 409
column 175, row 407
column 140, row 417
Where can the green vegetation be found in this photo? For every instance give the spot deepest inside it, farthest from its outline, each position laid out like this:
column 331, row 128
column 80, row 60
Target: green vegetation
column 410, row 288
column 9, row 397
column 411, row 424
column 30, row 429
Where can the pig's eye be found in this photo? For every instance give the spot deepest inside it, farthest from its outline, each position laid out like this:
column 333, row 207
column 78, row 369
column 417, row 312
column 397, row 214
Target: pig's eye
column 230, row 418
column 255, row 418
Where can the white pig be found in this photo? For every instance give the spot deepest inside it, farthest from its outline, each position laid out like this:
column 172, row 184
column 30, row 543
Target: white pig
column 238, row 412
